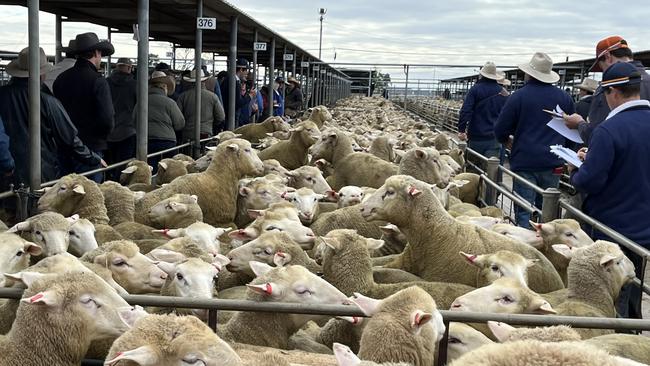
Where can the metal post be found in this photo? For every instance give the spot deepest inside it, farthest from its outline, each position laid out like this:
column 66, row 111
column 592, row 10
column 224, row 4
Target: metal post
column 107, row 71
column 57, row 39
column 174, row 57
column 198, row 49
column 254, row 60
column 271, row 71
column 492, row 173
column 232, row 62
column 34, row 92
column 550, row 204
column 214, row 64
column 369, row 80
column 406, row 86
column 320, row 39
column 284, row 71
column 142, row 123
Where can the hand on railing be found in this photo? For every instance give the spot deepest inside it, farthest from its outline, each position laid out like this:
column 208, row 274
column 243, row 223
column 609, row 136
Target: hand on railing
column 103, row 163
column 462, row 136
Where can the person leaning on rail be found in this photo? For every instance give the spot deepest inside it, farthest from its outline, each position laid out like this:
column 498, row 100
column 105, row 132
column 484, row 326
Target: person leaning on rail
column 615, row 174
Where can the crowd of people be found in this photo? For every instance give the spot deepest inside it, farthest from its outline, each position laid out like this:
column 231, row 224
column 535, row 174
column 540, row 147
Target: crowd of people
column 89, row 121
column 613, row 120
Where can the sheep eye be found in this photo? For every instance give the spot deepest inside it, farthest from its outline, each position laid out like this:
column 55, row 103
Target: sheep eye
column 268, row 251
column 71, row 232
column 309, row 179
column 304, row 292
column 179, row 276
column 454, row 340
column 20, row 253
column 494, row 268
column 37, row 232
column 247, row 150
column 569, row 234
column 315, row 199
column 169, row 206
column 507, row 300
column 119, row 263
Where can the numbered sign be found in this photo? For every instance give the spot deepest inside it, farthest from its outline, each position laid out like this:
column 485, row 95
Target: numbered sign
column 562, row 72
column 316, row 68
column 259, row 46
column 304, row 64
column 170, row 54
column 206, row 23
column 288, row 56
column 323, row 71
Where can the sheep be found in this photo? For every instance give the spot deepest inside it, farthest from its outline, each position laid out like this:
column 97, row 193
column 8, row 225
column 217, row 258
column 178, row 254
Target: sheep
column 270, row 248
column 382, row 147
column 458, row 156
column 216, row 188
column 177, row 211
column 280, row 221
column 285, row 284
column 536, row 353
column 136, row 172
column 443, row 194
column 404, row 327
column 76, row 194
column 201, row 164
column 257, row 194
column 634, row 347
column 345, row 357
column 435, row 238
column 82, row 237
column 423, row 164
column 183, row 157
column 292, row 153
column 349, row 196
column 463, row 339
column 468, row 193
column 492, row 211
column 346, row 218
column 119, row 202
column 524, row 235
column 205, row 236
column 272, row 166
column 308, row 177
column 595, row 274
column 131, row 269
column 180, row 249
column 306, row 202
column 486, row 222
column 255, row 131
column 170, row 169
column 464, row 209
column 49, row 230
column 502, row 263
column 451, row 163
column 166, row 340
column 560, row 231
column 136, row 231
column 59, row 316
column 319, row 115
column 15, row 254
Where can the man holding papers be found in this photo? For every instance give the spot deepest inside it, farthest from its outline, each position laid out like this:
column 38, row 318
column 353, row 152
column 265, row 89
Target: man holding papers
column 615, row 174
column 524, row 118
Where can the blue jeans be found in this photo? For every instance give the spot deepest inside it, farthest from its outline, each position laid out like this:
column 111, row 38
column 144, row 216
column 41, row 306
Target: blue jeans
column 487, row 148
column 76, row 166
column 543, row 179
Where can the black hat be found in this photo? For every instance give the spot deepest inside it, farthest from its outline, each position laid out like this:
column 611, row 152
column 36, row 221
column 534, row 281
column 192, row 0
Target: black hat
column 86, row 42
column 242, row 62
column 71, row 49
column 161, row 66
column 280, row 80
column 124, row 61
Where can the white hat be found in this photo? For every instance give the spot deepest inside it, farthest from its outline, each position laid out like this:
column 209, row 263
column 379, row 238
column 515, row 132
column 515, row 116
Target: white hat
column 589, row 85
column 489, row 70
column 504, row 82
column 20, row 66
column 192, row 77
column 540, row 67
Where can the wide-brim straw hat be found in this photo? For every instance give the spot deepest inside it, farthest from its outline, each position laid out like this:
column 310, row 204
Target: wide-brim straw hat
column 20, row 66
column 489, row 70
column 293, row 80
column 192, row 77
column 540, row 67
column 589, row 85
column 504, row 82
column 161, row 77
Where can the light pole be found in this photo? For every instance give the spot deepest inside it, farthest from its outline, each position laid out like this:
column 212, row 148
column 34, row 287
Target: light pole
column 322, row 12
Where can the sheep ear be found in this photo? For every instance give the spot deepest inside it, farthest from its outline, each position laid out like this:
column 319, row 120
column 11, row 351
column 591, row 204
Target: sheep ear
column 244, row 191
column 333, row 243
column 413, row 192
column 138, row 195
column 25, row 277
column 220, row 261
column 541, row 306
column 373, row 244
column 280, row 259
column 165, row 256
column 368, row 305
column 420, row 154
column 162, row 165
column 167, row 267
column 178, row 207
column 144, row 355
column 79, row 189
column 130, row 314
column 471, row 258
column 269, row 134
column 211, row 148
column 150, row 168
column 233, row 147
column 21, row 226
column 170, row 233
column 72, row 219
column 297, row 129
column 32, row 248
column 531, row 262
column 253, row 214
column 240, row 234
column 332, row 196
column 420, row 318
column 264, row 289
column 344, row 355
column 259, row 268
column 564, row 250
column 130, row 169
column 389, row 229
column 49, row 298
column 101, row 259
column 501, row 331
column 606, row 260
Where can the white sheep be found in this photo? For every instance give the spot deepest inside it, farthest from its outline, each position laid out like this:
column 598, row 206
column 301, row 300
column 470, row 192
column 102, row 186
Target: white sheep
column 205, row 235
column 15, row 254
column 306, row 202
column 308, row 177
column 82, row 237
column 49, row 230
column 177, row 211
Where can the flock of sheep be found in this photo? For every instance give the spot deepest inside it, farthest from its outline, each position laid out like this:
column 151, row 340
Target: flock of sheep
column 362, row 206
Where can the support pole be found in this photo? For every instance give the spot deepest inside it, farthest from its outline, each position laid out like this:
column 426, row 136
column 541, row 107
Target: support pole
column 284, row 71
column 293, row 64
column 492, row 171
column 34, row 92
column 174, row 57
column 107, row 71
column 369, row 80
column 254, row 60
column 58, row 31
column 406, row 86
column 232, row 63
column 142, row 124
column 271, row 72
column 550, row 204
column 198, row 49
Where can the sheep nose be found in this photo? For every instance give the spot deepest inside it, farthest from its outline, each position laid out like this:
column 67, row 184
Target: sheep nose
column 456, row 305
column 163, row 276
column 310, row 234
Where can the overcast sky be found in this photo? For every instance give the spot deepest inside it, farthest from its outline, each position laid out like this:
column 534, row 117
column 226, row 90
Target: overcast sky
column 467, row 32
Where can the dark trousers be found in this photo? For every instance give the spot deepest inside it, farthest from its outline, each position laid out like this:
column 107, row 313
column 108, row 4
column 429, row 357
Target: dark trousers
column 74, row 166
column 628, row 304
column 156, row 145
column 120, row 151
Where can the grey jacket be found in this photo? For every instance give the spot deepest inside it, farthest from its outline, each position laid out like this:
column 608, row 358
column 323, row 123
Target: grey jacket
column 164, row 116
column 211, row 111
column 599, row 109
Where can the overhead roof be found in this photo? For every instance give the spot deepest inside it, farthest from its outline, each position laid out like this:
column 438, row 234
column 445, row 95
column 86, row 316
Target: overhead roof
column 175, row 21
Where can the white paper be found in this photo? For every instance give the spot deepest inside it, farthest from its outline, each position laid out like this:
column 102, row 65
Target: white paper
column 567, row 155
column 560, row 127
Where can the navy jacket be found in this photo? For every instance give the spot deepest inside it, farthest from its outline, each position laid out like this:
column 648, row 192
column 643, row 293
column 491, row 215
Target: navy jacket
column 6, row 160
column 583, row 105
column 522, row 117
column 598, row 110
column 86, row 96
column 481, row 109
column 616, row 175
column 240, row 100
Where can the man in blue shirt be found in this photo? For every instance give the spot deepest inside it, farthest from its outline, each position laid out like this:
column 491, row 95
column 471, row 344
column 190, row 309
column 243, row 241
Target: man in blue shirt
column 616, row 172
column 480, row 112
column 524, row 118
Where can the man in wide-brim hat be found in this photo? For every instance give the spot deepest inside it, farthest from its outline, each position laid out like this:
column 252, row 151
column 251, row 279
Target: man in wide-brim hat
column 211, row 114
column 294, row 99
column 480, row 111
column 523, row 117
column 586, row 91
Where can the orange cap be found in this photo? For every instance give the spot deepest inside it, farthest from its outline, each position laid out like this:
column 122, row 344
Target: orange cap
column 607, row 45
